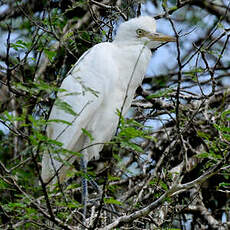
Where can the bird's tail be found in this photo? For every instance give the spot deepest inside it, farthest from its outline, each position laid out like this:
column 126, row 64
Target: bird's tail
column 48, row 169
column 54, row 170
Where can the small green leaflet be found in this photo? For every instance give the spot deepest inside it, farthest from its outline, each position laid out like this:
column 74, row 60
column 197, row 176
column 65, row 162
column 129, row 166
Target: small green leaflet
column 65, row 106
column 88, row 134
column 50, row 54
column 111, row 201
column 59, row 121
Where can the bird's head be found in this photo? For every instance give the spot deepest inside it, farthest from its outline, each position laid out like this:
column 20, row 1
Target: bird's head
column 142, row 30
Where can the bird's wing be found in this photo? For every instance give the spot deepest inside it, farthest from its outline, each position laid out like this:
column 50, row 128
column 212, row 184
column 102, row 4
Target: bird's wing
column 84, row 93
column 79, row 60
column 85, row 87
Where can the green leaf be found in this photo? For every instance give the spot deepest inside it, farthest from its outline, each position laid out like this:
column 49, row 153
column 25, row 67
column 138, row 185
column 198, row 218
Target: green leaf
column 116, row 157
column 164, row 185
column 21, row 44
column 113, row 178
column 68, row 35
column 42, row 85
column 132, row 146
column 211, row 155
column 222, row 128
column 59, row 121
column 204, row 135
column 73, row 186
column 111, row 201
column 224, row 114
column 53, row 142
column 163, row 93
column 50, row 54
column 153, row 182
column 224, row 184
column 173, row 8
column 62, row 105
column 73, row 204
column 3, row 184
column 203, row 155
column 88, row 134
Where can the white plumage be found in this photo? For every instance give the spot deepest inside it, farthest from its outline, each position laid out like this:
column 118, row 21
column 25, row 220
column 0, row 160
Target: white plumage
column 103, row 81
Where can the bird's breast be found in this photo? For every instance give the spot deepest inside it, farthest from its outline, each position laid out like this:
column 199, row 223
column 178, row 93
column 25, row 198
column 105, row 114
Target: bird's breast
column 132, row 67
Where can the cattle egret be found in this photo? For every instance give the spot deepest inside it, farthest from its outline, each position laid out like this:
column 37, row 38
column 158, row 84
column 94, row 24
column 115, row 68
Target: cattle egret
column 102, row 81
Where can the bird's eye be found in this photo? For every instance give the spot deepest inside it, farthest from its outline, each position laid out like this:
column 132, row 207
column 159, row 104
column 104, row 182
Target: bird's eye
column 139, row 32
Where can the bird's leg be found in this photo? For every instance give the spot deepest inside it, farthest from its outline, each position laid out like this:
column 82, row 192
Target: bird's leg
column 84, row 186
column 94, row 184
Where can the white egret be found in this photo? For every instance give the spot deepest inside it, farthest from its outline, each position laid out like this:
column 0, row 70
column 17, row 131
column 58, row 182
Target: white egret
column 103, row 81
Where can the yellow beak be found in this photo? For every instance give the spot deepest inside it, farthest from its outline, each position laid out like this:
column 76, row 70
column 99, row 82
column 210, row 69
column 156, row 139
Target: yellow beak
column 160, row 37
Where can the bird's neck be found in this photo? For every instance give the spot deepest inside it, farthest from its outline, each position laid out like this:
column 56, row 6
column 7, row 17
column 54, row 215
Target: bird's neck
column 130, row 43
